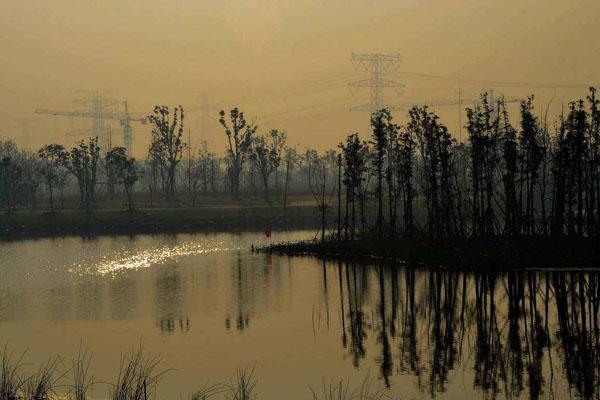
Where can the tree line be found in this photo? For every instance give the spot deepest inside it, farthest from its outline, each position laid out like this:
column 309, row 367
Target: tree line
column 514, row 179
column 255, row 165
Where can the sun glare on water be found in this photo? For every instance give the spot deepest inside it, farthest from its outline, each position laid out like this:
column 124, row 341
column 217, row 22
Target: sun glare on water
column 138, row 259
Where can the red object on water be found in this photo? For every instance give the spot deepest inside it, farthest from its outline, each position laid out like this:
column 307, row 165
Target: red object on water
column 268, row 232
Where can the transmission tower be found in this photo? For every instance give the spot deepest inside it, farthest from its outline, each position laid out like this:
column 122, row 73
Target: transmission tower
column 377, row 65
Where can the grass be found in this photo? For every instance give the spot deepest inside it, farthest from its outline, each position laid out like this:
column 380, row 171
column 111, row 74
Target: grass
column 83, row 381
column 243, row 385
column 139, row 376
column 41, row 385
column 341, row 390
column 28, row 223
column 208, row 391
column 11, row 382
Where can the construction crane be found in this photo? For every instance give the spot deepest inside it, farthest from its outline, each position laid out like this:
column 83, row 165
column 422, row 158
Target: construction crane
column 98, row 116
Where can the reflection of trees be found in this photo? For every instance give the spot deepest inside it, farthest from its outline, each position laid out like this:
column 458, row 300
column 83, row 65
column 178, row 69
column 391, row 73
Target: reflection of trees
column 355, row 317
column 254, row 286
column 356, row 292
column 123, row 296
column 409, row 356
column 506, row 319
column 443, row 301
column 243, row 295
column 170, row 325
column 489, row 367
column 170, row 296
column 577, row 300
column 385, row 361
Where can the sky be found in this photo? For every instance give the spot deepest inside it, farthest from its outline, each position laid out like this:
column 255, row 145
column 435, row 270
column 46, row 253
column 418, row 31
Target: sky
column 285, row 63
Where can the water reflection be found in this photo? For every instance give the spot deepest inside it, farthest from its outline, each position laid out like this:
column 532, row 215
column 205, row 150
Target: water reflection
column 424, row 332
column 510, row 329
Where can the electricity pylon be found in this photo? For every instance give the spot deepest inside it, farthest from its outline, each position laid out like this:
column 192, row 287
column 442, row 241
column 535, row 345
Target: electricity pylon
column 378, row 65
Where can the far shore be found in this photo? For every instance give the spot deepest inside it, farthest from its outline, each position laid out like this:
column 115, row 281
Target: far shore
column 24, row 224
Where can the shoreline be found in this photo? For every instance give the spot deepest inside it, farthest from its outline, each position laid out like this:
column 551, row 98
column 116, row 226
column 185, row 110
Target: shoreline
column 477, row 254
column 22, row 225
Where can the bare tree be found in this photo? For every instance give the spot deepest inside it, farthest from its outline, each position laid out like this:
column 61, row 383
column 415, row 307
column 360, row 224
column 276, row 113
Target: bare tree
column 125, row 171
column 291, row 159
column 266, row 155
column 239, row 139
column 82, row 162
column 318, row 177
column 167, row 143
column 54, row 157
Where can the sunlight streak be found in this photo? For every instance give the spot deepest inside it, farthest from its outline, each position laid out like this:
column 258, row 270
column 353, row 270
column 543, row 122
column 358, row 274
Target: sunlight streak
column 135, row 260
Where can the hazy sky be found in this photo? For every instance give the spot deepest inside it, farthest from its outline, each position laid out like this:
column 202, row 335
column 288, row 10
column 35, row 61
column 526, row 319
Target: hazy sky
column 285, row 63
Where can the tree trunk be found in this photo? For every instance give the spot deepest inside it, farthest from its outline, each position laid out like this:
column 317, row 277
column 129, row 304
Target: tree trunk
column 285, row 191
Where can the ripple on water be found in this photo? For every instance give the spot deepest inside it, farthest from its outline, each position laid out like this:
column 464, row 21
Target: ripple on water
column 139, row 259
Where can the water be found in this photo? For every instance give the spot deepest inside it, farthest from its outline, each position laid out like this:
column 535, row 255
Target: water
column 207, row 305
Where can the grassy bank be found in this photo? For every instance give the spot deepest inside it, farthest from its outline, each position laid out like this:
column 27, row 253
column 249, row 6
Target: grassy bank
column 479, row 254
column 138, row 377
column 226, row 217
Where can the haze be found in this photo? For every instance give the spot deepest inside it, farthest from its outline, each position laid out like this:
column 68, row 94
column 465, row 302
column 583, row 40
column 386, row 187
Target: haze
column 285, row 63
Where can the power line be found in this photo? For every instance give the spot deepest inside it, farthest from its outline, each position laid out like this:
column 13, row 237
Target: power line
column 487, row 83
column 317, row 86
column 295, row 111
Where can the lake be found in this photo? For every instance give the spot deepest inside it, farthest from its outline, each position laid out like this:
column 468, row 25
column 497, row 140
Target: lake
column 207, row 305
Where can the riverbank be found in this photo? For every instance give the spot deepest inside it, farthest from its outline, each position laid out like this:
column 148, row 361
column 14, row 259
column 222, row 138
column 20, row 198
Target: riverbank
column 496, row 253
column 34, row 224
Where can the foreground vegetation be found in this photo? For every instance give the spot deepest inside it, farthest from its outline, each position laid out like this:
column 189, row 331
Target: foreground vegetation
column 137, row 378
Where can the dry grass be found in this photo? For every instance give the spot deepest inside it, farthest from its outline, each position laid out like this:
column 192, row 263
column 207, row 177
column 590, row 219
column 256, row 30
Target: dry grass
column 138, row 376
column 208, row 391
column 243, row 384
column 341, row 390
column 41, row 384
column 82, row 380
column 11, row 383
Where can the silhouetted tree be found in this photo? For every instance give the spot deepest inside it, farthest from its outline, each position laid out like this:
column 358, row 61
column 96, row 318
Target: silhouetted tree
column 54, row 157
column 82, row 162
column 266, row 155
column 405, row 153
column 484, row 137
column 239, row 138
column 531, row 153
column 382, row 130
column 354, row 156
column 167, row 143
column 125, row 170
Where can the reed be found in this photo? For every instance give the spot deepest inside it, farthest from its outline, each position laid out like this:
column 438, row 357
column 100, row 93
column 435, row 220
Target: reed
column 41, row 384
column 368, row 389
column 243, row 384
column 138, row 376
column 11, row 384
column 208, row 391
column 83, row 381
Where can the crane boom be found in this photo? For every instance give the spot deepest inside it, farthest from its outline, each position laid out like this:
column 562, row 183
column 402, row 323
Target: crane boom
column 98, row 115
column 91, row 114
